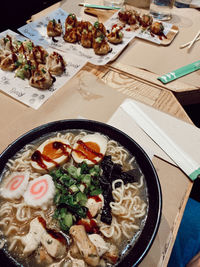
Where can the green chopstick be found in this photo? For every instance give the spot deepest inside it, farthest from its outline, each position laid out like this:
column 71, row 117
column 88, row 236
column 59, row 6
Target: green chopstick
column 173, row 75
column 99, row 6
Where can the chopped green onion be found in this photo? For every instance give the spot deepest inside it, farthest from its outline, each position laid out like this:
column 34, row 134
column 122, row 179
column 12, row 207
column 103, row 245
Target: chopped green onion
column 85, row 31
column 5, row 40
column 20, row 74
column 69, row 27
column 54, row 22
column 73, row 188
column 96, row 192
column 86, row 179
column 95, row 171
column 17, row 63
column 81, row 198
column 98, row 40
column 29, row 46
column 72, row 170
column 96, row 24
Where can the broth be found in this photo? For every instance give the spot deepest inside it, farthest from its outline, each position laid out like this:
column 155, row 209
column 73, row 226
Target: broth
column 123, row 232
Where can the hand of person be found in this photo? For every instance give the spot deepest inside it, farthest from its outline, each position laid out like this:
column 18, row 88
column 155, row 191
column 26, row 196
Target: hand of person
column 195, row 261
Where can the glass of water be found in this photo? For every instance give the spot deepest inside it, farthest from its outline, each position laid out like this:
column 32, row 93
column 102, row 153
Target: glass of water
column 182, row 3
column 115, row 3
column 161, row 9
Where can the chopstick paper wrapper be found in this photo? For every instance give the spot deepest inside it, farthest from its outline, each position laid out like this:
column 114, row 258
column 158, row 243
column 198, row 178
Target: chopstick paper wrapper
column 99, row 6
column 171, row 76
column 178, row 139
column 123, row 120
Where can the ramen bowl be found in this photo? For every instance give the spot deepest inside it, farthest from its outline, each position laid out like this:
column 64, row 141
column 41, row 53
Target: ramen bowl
column 137, row 247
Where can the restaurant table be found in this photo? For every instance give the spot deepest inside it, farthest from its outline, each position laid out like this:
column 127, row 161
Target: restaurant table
column 95, row 93
column 147, row 61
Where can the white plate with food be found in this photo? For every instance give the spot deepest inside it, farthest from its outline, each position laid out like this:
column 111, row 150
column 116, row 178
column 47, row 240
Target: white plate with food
column 97, row 43
column 31, row 73
column 142, row 24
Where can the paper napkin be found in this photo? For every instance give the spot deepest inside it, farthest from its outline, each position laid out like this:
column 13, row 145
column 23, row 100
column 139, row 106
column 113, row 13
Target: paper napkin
column 178, row 139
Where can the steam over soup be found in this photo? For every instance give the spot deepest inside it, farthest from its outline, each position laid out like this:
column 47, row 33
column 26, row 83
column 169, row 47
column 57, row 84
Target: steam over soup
column 74, row 198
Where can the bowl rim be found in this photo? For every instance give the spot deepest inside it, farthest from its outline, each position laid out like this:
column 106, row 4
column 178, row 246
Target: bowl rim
column 50, row 127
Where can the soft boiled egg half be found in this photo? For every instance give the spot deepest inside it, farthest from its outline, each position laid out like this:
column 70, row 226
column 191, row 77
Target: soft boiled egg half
column 50, row 154
column 90, row 149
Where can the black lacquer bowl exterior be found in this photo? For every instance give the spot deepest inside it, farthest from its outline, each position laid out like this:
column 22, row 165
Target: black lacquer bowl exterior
column 138, row 251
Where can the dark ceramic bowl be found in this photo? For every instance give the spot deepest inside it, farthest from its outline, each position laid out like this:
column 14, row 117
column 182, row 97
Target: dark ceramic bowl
column 136, row 252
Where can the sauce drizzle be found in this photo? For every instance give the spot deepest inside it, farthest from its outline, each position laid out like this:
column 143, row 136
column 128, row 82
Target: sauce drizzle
column 85, row 151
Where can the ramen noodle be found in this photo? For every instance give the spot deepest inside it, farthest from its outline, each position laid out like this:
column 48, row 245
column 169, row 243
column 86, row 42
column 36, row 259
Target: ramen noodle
column 74, row 198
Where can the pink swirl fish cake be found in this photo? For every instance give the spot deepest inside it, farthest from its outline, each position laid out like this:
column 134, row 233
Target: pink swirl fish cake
column 15, row 185
column 40, row 192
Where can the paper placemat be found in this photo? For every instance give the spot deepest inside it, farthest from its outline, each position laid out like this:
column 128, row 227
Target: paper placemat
column 21, row 90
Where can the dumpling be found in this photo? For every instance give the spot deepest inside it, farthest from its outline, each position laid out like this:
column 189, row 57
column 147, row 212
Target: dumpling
column 70, row 35
column 101, row 46
column 38, row 54
column 99, row 29
column 3, row 54
column 71, row 20
column 54, row 28
column 157, row 28
column 26, row 47
column 8, row 43
column 116, row 35
column 86, row 39
column 23, row 71
column 9, row 62
column 41, row 78
column 56, row 64
column 146, row 20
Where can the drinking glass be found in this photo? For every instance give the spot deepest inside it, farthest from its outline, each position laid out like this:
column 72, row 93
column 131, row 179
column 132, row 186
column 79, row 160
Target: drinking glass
column 161, row 9
column 116, row 3
column 182, row 3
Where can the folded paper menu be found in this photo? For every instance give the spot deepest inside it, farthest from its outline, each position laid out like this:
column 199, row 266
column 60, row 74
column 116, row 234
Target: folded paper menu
column 178, row 139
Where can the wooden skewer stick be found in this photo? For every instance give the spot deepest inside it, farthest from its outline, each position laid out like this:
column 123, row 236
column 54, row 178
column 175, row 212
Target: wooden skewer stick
column 184, row 45
column 193, row 41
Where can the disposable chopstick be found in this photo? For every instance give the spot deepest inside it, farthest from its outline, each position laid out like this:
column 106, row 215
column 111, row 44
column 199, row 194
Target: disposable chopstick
column 185, row 45
column 193, row 41
column 99, row 6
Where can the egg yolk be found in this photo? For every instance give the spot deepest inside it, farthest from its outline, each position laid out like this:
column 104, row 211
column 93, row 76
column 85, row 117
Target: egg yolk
column 89, row 150
column 53, row 152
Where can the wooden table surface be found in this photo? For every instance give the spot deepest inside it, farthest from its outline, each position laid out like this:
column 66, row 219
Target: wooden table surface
column 73, row 99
